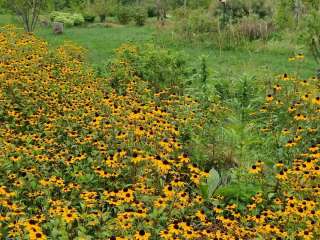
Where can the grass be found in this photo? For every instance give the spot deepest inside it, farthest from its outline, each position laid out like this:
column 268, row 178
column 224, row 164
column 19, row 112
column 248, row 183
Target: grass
column 101, row 43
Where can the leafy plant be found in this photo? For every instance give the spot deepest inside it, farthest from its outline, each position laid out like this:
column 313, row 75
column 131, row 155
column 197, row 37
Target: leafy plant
column 233, row 11
column 124, row 15
column 195, row 25
column 310, row 33
column 78, row 19
column 284, row 14
column 210, row 186
column 152, row 11
column 99, row 8
column 89, row 17
column 68, row 19
column 140, row 16
column 159, row 67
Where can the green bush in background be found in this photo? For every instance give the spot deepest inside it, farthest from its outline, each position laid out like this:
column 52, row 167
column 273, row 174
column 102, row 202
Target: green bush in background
column 159, row 67
column 140, row 16
column 68, row 19
column 195, row 25
column 152, row 11
column 283, row 16
column 232, row 11
column 78, row 19
column 310, row 33
column 2, row 7
column 68, row 22
column 89, row 17
column 99, row 8
column 124, row 15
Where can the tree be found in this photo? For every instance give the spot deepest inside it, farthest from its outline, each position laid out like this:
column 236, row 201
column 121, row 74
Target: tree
column 28, row 11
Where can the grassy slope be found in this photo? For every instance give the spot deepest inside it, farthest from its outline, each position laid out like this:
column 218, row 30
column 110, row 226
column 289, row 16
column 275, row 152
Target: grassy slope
column 101, row 43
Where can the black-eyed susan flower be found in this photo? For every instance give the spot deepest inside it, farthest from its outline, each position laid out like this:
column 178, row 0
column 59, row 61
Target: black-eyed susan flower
column 316, row 100
column 269, row 98
column 142, row 235
column 255, row 169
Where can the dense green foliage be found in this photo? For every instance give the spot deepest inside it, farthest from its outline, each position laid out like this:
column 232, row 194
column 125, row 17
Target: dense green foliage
column 124, row 15
column 68, row 19
column 159, row 67
column 310, row 33
column 140, row 16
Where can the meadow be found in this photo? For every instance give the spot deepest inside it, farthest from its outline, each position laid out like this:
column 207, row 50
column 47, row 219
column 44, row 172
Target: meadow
column 124, row 132
column 101, row 42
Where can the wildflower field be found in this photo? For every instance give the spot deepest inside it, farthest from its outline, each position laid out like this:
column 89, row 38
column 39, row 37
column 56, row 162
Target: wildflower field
column 83, row 159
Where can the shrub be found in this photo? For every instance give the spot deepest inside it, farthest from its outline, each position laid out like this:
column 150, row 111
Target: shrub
column 112, row 8
column 68, row 22
column 283, row 15
column 234, row 10
column 124, row 15
column 53, row 15
column 181, row 13
column 158, row 66
column 3, row 9
column 161, row 67
column 99, row 7
column 261, row 8
column 310, row 33
column 89, row 18
column 152, row 11
column 78, row 19
column 195, row 25
column 140, row 16
column 68, row 19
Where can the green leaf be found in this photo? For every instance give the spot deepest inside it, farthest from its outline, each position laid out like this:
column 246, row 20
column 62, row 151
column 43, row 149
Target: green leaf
column 208, row 188
column 213, row 181
column 33, row 185
column 204, row 190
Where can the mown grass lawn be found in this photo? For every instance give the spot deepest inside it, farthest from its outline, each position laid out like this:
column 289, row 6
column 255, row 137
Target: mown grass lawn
column 100, row 42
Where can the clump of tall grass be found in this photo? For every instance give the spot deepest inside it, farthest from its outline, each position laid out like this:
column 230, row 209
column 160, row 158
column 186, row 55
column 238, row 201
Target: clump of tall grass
column 198, row 26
